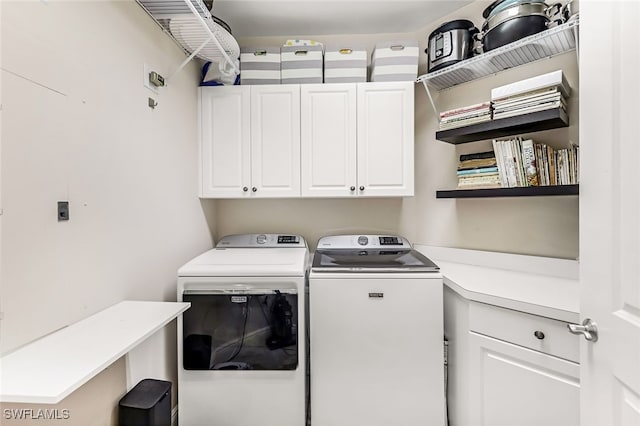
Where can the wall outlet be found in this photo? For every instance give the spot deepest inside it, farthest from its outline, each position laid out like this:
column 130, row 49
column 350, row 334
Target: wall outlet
column 63, row 210
column 145, row 78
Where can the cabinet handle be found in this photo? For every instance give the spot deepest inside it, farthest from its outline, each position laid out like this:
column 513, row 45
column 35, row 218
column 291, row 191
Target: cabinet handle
column 353, row 188
column 539, row 334
column 362, row 188
column 245, row 189
column 254, row 189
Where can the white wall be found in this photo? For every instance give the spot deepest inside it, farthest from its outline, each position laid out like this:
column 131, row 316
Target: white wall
column 538, row 226
column 77, row 127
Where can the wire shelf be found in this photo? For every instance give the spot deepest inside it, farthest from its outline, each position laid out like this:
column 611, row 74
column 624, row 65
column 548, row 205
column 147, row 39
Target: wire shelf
column 191, row 25
column 551, row 42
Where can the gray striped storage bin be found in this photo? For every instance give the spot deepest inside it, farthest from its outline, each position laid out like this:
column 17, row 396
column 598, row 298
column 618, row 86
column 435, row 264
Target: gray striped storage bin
column 260, row 65
column 301, row 64
column 395, row 61
column 345, row 63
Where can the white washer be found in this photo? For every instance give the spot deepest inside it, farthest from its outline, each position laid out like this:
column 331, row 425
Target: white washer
column 376, row 333
column 241, row 344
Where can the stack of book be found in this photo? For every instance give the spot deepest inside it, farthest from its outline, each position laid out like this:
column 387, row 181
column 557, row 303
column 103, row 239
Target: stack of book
column 478, row 170
column 526, row 163
column 465, row 116
column 547, row 91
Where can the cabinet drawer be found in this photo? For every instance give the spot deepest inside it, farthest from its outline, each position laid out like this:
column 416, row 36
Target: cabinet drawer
column 521, row 329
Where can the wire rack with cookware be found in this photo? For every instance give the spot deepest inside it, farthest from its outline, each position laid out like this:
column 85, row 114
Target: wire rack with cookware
column 553, row 30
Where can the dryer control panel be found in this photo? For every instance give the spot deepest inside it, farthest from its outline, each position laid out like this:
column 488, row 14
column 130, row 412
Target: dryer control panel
column 261, row 240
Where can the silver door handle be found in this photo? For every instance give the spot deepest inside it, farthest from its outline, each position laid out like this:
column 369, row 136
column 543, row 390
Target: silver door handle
column 588, row 329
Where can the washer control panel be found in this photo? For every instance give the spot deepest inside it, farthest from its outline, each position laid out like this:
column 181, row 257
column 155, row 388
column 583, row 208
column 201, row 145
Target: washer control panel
column 261, row 240
column 363, row 241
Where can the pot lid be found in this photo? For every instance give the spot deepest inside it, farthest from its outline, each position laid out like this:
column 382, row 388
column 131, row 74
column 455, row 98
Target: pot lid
column 500, row 5
column 458, row 24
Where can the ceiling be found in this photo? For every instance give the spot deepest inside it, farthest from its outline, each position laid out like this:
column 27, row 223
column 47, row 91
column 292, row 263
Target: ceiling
column 295, row 18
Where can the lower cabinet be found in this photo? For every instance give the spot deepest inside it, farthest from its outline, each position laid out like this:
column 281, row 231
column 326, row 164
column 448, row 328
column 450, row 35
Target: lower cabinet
column 509, row 368
column 513, row 385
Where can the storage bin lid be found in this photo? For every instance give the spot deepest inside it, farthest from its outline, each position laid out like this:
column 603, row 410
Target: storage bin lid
column 146, row 394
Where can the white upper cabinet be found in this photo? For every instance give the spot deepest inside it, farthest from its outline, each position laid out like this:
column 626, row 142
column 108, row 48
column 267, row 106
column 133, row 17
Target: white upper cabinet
column 357, row 139
column 328, row 126
column 312, row 140
column 275, row 140
column 250, row 141
column 385, row 139
column 225, row 135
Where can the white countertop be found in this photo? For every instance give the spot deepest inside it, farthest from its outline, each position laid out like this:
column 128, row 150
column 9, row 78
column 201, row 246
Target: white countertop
column 542, row 286
column 48, row 369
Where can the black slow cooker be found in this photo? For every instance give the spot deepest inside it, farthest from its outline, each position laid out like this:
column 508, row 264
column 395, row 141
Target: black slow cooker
column 451, row 42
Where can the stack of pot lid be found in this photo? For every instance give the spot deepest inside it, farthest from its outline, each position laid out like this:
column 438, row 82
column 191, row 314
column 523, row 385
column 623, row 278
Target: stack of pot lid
column 500, row 5
column 504, row 10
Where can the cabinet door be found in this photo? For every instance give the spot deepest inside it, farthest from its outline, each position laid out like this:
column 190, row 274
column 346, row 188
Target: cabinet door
column 511, row 385
column 275, row 140
column 385, row 139
column 328, row 133
column 224, row 141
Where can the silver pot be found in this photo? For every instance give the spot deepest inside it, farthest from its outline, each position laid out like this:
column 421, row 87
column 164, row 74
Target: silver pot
column 519, row 11
column 516, row 22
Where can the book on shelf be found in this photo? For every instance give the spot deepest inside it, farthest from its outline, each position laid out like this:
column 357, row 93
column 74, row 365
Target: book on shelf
column 477, row 163
column 526, row 163
column 535, row 108
column 477, row 155
column 519, row 101
column 465, row 116
column 491, row 179
column 529, row 163
column 521, row 106
column 480, row 106
column 466, row 122
column 478, row 171
column 534, row 94
column 551, row 79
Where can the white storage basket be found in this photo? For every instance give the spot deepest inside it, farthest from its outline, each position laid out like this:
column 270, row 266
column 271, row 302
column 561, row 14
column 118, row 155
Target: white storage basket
column 301, row 64
column 260, row 65
column 345, row 63
column 395, row 61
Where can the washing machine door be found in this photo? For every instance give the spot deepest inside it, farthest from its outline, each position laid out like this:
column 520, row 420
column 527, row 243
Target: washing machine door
column 254, row 329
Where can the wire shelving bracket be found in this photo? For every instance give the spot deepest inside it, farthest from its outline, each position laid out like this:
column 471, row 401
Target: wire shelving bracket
column 194, row 29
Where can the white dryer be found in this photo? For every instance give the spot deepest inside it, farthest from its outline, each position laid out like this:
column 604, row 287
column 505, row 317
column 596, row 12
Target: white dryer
column 376, row 334
column 241, row 345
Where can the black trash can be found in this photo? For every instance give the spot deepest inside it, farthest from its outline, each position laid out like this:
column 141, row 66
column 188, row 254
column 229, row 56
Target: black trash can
column 147, row 404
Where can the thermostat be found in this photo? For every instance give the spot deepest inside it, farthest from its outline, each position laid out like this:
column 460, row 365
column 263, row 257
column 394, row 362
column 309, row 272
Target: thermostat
column 156, row 79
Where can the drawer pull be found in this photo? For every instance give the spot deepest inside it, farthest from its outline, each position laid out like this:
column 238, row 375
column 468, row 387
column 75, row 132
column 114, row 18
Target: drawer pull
column 539, row 334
